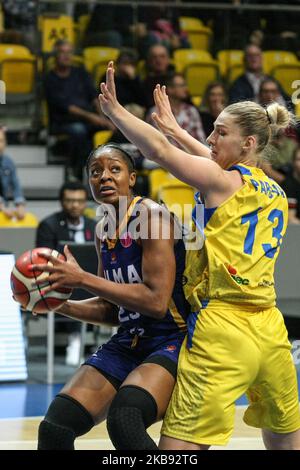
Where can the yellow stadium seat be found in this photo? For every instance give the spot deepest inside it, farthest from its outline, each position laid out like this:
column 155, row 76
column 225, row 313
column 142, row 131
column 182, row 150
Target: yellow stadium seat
column 157, row 178
column 286, row 75
column 200, row 38
column 54, row 28
column 29, row 220
column 198, row 67
column 199, row 35
column 83, row 22
column 179, row 198
column 1, row 21
column 273, row 58
column 17, row 68
column 97, row 58
column 184, row 57
column 197, row 100
column 297, row 108
column 90, row 212
column 8, row 51
column 141, row 69
column 102, row 137
column 234, row 72
column 229, row 57
column 198, row 77
column 187, row 23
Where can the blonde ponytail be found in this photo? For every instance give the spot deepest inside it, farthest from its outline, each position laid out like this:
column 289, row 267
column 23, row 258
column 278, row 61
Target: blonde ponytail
column 279, row 117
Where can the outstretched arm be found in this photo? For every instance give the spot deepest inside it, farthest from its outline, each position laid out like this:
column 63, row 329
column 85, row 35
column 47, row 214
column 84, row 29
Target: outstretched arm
column 150, row 297
column 199, row 172
column 166, row 122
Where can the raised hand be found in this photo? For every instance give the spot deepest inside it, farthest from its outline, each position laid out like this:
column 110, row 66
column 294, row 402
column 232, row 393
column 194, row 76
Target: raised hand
column 61, row 273
column 164, row 117
column 108, row 97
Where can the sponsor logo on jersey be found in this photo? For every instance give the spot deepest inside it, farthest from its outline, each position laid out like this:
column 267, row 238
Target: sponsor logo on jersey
column 171, row 348
column 113, row 257
column 126, row 240
column 265, row 283
column 233, row 273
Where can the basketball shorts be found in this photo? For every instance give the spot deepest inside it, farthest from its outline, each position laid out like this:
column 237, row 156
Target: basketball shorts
column 117, row 358
column 231, row 350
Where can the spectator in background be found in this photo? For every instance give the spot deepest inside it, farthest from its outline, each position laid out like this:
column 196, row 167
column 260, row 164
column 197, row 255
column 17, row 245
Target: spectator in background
column 129, row 85
column 214, row 101
column 186, row 114
column 291, row 186
column 284, row 144
column 158, row 67
column 269, row 91
column 73, row 106
column 9, row 183
column 130, row 89
column 163, row 32
column 246, row 87
column 70, row 224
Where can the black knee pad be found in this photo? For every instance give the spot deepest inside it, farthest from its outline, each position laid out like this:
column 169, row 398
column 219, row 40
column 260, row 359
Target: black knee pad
column 65, row 420
column 132, row 411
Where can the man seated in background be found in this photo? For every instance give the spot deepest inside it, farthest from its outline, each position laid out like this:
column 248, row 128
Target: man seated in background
column 158, row 66
column 73, row 106
column 70, row 224
column 9, row 183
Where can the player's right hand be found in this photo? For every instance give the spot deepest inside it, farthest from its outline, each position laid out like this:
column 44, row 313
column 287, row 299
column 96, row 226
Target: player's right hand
column 108, row 97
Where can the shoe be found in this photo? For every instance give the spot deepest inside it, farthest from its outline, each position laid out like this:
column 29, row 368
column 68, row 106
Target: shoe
column 73, row 350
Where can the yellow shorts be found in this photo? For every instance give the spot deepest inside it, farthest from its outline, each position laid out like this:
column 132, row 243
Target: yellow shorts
column 230, row 350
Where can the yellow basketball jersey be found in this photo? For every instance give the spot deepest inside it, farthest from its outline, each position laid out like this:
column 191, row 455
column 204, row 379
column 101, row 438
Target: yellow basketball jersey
column 242, row 241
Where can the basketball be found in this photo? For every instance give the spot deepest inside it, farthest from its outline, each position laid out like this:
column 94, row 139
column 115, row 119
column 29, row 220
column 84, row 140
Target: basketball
column 22, row 279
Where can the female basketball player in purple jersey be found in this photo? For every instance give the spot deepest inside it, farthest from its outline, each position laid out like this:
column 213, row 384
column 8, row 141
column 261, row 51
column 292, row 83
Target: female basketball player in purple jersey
column 128, row 380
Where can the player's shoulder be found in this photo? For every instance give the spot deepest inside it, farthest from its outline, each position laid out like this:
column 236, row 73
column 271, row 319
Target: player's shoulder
column 153, row 207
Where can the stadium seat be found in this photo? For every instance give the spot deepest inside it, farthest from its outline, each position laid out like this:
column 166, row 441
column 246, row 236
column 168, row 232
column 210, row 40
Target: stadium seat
column 184, row 57
column 1, row 20
column 198, row 77
column 273, row 58
column 287, row 74
column 198, row 67
column 102, row 137
column 199, row 35
column 179, row 198
column 17, row 69
column 157, row 178
column 96, row 59
column 234, row 72
column 228, row 58
column 53, row 28
column 189, row 22
column 29, row 220
column 83, row 22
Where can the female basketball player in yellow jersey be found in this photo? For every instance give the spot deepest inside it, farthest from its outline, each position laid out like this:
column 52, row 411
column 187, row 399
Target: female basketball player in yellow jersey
column 236, row 341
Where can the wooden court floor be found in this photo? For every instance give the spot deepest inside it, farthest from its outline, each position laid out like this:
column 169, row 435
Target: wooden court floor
column 20, row 434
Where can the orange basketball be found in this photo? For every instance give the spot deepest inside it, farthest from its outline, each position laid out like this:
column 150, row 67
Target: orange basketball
column 22, row 280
